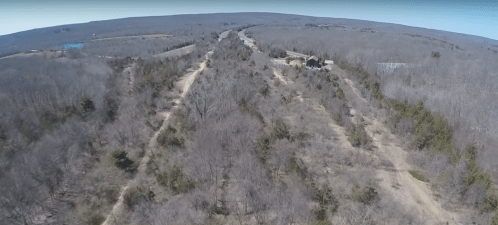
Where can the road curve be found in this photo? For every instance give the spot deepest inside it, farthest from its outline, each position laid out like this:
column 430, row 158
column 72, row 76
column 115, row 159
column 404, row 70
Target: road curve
column 248, row 41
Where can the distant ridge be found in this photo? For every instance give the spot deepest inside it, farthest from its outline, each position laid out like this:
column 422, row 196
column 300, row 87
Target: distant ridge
column 51, row 37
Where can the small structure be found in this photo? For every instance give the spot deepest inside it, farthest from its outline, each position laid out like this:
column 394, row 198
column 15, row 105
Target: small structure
column 312, row 62
column 389, row 68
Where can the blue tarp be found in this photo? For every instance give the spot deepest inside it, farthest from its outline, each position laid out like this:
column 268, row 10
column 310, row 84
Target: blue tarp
column 74, row 45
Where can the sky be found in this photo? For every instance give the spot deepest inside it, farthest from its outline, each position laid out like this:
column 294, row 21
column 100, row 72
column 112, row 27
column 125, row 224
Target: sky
column 469, row 17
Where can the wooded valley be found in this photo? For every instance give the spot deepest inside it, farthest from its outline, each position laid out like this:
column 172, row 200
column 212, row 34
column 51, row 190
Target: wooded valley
column 113, row 133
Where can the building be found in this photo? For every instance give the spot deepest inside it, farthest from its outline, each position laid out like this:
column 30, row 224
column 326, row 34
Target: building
column 312, row 62
column 389, row 68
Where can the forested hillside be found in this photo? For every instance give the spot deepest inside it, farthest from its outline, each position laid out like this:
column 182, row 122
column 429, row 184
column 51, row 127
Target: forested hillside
column 129, row 129
column 62, row 119
column 444, row 105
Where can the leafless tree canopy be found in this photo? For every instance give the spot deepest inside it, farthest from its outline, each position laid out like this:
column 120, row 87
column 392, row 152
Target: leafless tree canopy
column 251, row 141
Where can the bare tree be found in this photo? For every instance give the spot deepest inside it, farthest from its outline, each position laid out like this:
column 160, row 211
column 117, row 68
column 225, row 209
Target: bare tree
column 207, row 162
column 19, row 198
column 281, row 155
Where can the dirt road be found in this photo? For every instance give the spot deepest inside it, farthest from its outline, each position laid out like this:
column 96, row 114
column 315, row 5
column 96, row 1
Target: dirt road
column 296, row 54
column 176, row 52
column 48, row 54
column 248, row 41
column 184, row 84
column 405, row 189
column 148, row 36
column 409, row 191
column 224, row 35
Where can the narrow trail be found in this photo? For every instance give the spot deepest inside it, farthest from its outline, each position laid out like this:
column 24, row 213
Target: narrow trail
column 281, row 77
column 129, row 72
column 398, row 181
column 185, row 83
column 355, row 91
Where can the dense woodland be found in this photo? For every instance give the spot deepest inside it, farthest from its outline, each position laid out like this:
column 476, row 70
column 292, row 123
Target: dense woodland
column 231, row 155
column 245, row 146
column 60, row 118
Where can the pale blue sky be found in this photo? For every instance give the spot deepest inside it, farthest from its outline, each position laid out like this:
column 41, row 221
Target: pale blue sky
column 469, row 17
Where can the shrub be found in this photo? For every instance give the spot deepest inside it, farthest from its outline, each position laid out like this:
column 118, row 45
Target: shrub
column 135, row 195
column 324, row 196
column 490, row 203
column 120, row 159
column 320, row 213
column 300, row 136
column 64, row 112
column 48, row 120
column 435, row 54
column 285, row 100
column 111, row 107
column 337, row 117
column 87, row 104
column 323, row 222
column 430, row 130
column 178, row 181
column 162, row 179
column 474, row 174
column 358, row 136
column 404, row 126
column 96, row 219
column 183, row 123
column 375, row 88
column 418, row 175
column 367, row 195
column 340, row 94
column 263, row 149
column 265, row 90
column 151, row 166
column 280, row 130
column 167, row 138
column 245, row 108
column 265, row 142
